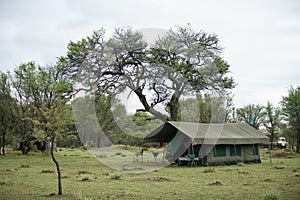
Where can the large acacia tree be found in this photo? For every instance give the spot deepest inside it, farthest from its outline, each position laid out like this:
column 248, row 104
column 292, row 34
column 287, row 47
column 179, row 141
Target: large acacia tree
column 291, row 112
column 181, row 62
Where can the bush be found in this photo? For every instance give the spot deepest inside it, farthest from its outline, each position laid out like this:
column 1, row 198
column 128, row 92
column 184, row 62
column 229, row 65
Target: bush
column 85, row 178
column 47, row 171
column 241, row 164
column 115, row 176
column 209, row 170
column 82, row 172
column 69, row 141
column 271, row 197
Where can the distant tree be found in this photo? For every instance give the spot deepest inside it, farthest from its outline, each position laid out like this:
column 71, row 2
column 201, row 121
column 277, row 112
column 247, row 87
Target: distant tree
column 69, row 135
column 181, row 62
column 272, row 120
column 91, row 111
column 229, row 109
column 205, row 109
column 22, row 85
column 252, row 114
column 6, row 108
column 141, row 119
column 291, row 112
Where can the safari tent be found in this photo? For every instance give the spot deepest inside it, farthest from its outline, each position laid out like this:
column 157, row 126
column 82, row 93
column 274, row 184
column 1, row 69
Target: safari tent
column 209, row 144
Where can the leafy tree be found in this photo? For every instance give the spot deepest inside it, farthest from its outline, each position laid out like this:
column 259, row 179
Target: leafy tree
column 252, row 114
column 22, row 84
column 291, row 112
column 188, row 62
column 69, row 136
column 6, row 108
column 205, row 109
column 141, row 119
column 181, row 62
column 84, row 109
column 47, row 91
column 272, row 120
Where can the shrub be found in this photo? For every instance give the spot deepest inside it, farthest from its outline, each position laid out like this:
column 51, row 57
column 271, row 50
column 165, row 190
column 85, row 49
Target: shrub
column 82, row 172
column 115, row 176
column 271, row 197
column 25, row 166
column 85, row 178
column 241, row 164
column 209, row 170
column 47, row 171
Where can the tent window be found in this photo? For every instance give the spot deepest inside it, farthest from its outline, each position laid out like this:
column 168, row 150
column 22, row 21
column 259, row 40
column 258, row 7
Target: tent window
column 219, row 151
column 255, row 149
column 235, row 150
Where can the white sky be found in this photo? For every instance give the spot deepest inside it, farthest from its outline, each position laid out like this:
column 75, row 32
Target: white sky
column 261, row 37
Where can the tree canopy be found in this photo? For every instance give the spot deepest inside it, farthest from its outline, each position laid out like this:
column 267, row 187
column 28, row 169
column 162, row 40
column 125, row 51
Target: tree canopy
column 181, row 62
column 252, row 114
column 291, row 111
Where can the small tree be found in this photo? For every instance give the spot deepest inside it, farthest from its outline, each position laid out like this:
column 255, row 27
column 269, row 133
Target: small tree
column 205, row 109
column 48, row 92
column 252, row 114
column 291, row 112
column 272, row 121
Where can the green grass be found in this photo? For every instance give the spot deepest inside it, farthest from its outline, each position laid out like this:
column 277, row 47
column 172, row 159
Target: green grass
column 84, row 177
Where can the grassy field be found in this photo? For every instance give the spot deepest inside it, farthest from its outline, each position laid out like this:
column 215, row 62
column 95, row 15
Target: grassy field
column 84, row 177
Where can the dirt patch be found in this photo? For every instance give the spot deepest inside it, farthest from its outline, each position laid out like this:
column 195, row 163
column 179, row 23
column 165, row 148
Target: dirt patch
column 5, row 183
column 122, row 196
column 47, row 171
column 217, row 183
column 279, row 167
column 284, row 154
column 154, row 179
column 246, row 184
column 243, row 172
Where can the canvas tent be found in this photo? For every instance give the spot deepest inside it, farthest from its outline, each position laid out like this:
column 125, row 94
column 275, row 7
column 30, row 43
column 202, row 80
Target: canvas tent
column 210, row 143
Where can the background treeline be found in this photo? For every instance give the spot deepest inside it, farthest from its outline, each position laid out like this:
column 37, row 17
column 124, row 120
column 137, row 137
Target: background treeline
column 36, row 101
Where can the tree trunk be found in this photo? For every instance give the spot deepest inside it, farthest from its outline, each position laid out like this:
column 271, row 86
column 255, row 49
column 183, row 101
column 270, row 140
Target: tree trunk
column 98, row 141
column 3, row 142
column 147, row 107
column 272, row 139
column 23, row 147
column 298, row 143
column 57, row 167
column 174, row 107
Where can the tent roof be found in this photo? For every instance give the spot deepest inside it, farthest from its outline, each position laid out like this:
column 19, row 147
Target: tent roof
column 227, row 133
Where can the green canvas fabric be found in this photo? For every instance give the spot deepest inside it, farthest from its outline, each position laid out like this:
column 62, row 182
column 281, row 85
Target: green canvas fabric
column 227, row 133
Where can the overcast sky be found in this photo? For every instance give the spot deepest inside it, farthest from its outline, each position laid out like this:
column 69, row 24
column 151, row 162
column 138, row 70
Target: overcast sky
column 261, row 38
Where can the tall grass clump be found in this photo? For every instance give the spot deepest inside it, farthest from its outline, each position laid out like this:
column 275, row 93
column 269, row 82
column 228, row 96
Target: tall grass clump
column 271, row 196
